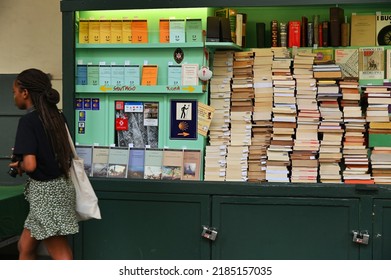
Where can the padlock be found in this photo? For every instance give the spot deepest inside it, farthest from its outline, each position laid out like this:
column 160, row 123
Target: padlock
column 360, row 237
column 209, row 233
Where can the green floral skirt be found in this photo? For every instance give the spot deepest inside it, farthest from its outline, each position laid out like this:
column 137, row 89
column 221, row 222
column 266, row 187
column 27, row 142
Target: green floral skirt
column 52, row 208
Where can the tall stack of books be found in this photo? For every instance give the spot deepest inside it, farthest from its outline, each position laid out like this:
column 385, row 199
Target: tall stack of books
column 262, row 114
column 381, row 165
column 330, row 129
column 284, row 120
column 241, row 113
column 219, row 130
column 306, row 144
column 379, row 132
column 355, row 152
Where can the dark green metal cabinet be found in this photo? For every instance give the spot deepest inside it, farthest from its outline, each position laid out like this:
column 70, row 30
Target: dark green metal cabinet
column 285, row 228
column 382, row 229
column 146, row 226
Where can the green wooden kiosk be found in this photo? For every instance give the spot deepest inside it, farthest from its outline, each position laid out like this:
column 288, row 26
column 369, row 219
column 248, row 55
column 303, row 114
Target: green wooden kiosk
column 156, row 219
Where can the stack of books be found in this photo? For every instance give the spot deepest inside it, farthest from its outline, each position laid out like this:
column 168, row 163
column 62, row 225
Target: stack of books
column 219, row 131
column 237, row 163
column 330, row 131
column 284, row 120
column 379, row 100
column 306, row 144
column 327, row 71
column 381, row 165
column 262, row 114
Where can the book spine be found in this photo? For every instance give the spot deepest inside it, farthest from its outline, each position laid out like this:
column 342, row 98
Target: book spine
column 260, row 30
column 303, row 32
column 325, row 33
column 336, row 19
column 294, row 34
column 274, row 33
column 283, row 34
column 345, row 34
column 316, row 32
column 320, row 35
column 310, row 34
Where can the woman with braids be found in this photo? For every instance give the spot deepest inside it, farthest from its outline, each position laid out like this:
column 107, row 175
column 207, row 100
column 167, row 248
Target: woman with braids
column 42, row 151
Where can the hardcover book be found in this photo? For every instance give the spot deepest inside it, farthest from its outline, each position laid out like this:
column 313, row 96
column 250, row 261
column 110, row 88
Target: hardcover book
column 100, row 161
column 363, row 30
column 118, row 162
column 336, row 19
column 191, row 165
column 371, row 63
column 172, row 164
column 294, row 33
column 230, row 14
column 136, row 163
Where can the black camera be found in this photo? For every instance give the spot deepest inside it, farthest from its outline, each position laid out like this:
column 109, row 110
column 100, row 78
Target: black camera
column 14, row 171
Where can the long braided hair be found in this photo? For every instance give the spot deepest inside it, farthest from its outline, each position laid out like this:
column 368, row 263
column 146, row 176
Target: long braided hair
column 44, row 99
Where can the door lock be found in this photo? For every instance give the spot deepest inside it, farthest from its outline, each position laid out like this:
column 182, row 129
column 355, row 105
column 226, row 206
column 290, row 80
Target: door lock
column 209, row 233
column 361, row 237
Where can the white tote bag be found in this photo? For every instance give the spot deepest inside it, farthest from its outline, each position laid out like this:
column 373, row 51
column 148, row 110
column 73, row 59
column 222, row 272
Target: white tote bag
column 86, row 201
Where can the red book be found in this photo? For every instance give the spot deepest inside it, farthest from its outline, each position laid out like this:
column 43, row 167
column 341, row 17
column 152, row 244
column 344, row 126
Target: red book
column 294, row 33
column 320, row 35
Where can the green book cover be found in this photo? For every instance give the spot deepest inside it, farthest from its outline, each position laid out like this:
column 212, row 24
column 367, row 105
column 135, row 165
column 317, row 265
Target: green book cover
column 93, row 74
column 193, row 30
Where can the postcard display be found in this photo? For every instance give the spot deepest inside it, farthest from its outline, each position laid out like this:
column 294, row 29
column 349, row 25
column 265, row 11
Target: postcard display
column 137, row 79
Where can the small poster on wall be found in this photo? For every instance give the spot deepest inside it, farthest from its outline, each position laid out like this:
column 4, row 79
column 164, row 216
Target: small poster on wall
column 183, row 119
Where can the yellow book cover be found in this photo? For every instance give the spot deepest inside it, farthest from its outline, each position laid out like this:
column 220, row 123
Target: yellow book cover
column 126, row 31
column 149, row 75
column 104, row 31
column 139, row 31
column 363, row 30
column 116, row 31
column 164, row 31
column 83, row 31
column 93, row 31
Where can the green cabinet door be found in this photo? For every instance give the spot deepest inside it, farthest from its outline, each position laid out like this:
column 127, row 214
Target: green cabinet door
column 381, row 236
column 146, row 226
column 284, row 228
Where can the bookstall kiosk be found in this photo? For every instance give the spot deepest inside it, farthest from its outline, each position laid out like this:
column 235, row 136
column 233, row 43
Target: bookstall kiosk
column 159, row 219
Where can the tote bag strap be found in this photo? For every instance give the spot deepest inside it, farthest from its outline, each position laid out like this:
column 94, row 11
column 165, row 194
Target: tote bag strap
column 71, row 143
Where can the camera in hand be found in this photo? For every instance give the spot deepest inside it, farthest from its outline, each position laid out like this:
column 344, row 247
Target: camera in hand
column 14, row 171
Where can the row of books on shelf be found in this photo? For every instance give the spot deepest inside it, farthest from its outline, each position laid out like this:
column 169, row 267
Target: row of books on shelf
column 148, row 163
column 128, row 31
column 135, row 75
column 334, row 31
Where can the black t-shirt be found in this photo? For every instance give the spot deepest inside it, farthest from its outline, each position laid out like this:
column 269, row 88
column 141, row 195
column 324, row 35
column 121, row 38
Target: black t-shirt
column 31, row 139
